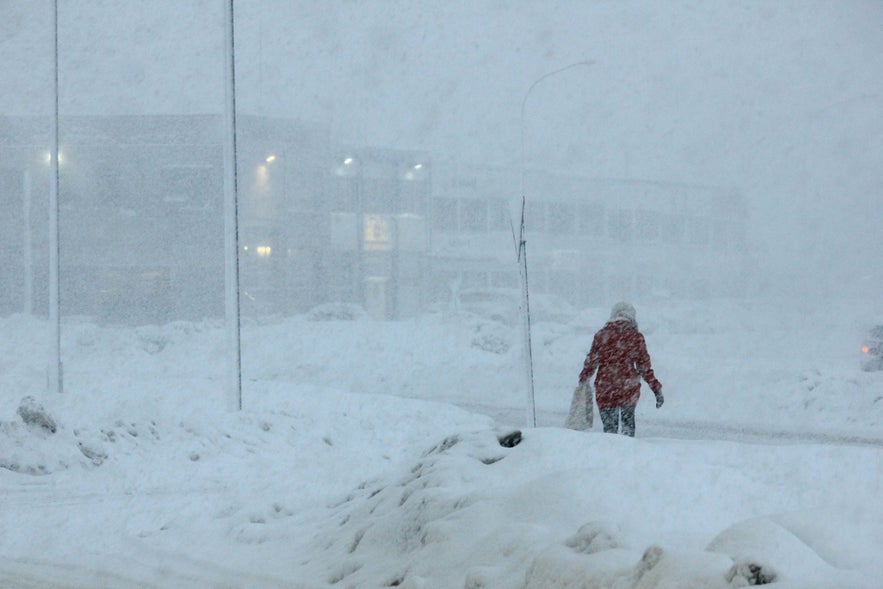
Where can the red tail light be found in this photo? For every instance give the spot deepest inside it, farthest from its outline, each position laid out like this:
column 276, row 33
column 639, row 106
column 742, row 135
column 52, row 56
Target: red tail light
column 865, row 349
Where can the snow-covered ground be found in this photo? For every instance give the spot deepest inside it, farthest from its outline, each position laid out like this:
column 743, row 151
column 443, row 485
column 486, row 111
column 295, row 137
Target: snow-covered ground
column 354, row 463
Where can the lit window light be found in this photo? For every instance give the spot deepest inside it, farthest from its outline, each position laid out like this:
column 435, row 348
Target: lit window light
column 47, row 157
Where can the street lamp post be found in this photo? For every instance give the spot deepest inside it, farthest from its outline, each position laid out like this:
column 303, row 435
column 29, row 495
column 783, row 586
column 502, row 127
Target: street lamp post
column 55, row 378
column 231, row 221
column 522, row 258
column 27, row 247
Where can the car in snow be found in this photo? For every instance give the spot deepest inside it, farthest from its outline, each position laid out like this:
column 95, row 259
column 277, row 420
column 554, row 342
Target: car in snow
column 872, row 349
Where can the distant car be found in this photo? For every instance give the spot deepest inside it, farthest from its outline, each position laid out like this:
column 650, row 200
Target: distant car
column 872, row 350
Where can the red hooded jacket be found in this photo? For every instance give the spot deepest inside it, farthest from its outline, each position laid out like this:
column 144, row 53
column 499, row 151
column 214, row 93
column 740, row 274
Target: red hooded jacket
column 619, row 354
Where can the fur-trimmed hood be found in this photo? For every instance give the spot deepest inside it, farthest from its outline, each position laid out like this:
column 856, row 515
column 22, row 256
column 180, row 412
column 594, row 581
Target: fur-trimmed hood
column 624, row 310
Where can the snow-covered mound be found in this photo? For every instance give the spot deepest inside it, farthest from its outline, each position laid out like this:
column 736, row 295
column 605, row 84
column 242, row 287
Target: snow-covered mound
column 351, row 465
column 565, row 510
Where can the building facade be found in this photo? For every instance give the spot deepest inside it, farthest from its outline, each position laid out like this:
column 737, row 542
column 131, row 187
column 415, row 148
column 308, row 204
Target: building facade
column 589, row 240
column 141, row 223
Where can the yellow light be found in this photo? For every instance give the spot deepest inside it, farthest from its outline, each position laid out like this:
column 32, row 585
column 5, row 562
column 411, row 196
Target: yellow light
column 48, row 157
column 376, row 231
column 270, row 159
column 264, row 250
column 262, row 179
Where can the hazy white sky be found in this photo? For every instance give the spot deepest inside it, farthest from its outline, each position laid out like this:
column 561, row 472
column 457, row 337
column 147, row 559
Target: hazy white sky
column 779, row 99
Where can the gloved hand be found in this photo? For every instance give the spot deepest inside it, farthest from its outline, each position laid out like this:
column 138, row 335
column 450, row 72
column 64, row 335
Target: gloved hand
column 659, row 399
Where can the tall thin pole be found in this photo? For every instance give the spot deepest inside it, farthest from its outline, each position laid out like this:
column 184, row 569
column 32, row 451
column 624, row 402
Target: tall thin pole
column 527, row 350
column 231, row 224
column 27, row 247
column 54, row 374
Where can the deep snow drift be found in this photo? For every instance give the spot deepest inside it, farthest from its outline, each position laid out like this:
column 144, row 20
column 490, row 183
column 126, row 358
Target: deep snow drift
column 351, row 466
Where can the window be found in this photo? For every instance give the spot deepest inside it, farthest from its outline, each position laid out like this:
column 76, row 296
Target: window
column 498, row 215
column 562, row 218
column 444, row 214
column 473, row 215
column 108, row 188
column 377, row 231
column 505, row 279
column 189, row 187
column 591, row 218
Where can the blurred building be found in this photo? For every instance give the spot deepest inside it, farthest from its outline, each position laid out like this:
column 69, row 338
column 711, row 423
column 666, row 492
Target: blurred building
column 378, row 206
column 141, row 224
column 141, row 219
column 589, row 240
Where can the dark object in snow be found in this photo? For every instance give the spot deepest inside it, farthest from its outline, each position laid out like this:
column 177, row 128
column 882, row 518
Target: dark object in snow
column 93, row 453
column 32, row 413
column 444, row 446
column 652, row 557
column 510, row 440
column 751, row 573
column 592, row 538
column 872, row 350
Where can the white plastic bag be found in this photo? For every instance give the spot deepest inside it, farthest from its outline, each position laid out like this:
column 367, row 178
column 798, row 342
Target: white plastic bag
column 582, row 405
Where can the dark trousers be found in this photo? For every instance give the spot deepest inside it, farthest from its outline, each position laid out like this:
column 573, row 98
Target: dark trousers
column 610, row 418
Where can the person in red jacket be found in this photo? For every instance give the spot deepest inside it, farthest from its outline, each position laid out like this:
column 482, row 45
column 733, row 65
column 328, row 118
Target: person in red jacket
column 619, row 354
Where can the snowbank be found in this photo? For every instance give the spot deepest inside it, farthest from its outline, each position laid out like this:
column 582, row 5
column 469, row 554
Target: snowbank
column 350, row 465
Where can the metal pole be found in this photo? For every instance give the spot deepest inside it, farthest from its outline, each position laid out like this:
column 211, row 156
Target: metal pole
column 231, row 224
column 27, row 248
column 522, row 259
column 55, row 382
column 527, row 350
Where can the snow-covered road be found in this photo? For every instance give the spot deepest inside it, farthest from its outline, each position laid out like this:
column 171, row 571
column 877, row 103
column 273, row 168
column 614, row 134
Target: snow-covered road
column 654, row 427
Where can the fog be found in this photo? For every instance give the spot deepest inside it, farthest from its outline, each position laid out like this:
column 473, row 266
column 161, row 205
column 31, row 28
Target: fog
column 774, row 109
column 718, row 164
